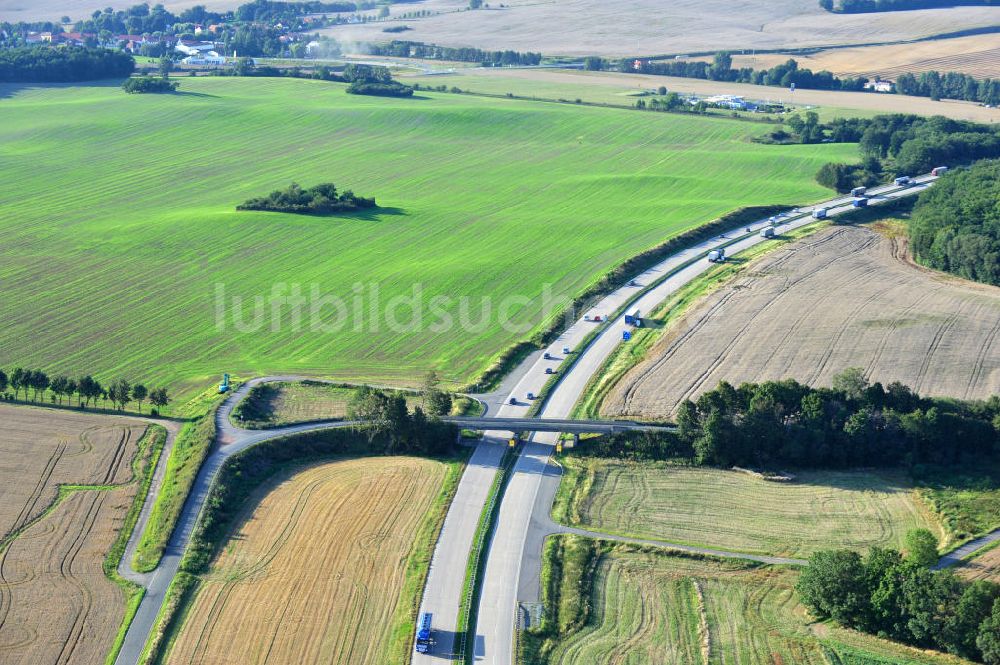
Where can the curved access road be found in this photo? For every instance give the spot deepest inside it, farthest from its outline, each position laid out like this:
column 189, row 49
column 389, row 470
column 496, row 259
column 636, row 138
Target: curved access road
column 230, row 440
column 514, row 560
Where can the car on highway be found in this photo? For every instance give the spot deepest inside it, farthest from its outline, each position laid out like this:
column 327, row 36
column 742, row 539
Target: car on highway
column 566, row 350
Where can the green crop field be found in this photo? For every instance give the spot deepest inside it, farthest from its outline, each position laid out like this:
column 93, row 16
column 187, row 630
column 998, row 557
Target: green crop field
column 120, row 231
column 735, row 511
column 650, row 607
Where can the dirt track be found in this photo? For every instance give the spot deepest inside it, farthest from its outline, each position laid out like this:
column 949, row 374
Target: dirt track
column 844, row 297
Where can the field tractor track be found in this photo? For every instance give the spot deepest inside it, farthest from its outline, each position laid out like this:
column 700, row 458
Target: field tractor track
column 96, row 501
column 932, row 349
column 222, row 597
column 834, row 342
column 893, row 327
column 980, row 366
column 30, row 506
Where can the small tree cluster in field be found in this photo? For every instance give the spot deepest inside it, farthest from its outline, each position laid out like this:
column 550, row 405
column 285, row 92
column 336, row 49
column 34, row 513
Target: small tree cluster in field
column 374, row 80
column 385, row 415
column 323, row 199
column 149, row 84
column 35, row 384
column 901, row 598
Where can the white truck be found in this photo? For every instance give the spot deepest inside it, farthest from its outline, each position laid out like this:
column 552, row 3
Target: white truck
column 717, row 256
column 820, row 213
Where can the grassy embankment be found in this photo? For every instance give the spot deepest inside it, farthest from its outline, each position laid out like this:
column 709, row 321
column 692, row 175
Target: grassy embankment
column 474, row 191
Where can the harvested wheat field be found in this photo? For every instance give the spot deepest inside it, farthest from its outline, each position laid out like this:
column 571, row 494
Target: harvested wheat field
column 986, row 566
column 314, row 570
column 42, row 449
column 648, row 27
column 978, row 55
column 844, row 297
column 56, row 605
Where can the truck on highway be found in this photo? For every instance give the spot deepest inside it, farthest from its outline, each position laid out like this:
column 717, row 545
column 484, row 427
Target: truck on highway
column 860, row 202
column 767, row 232
column 633, row 318
column 858, row 191
column 939, row 170
column 424, row 641
column 820, row 213
column 902, row 181
column 717, row 255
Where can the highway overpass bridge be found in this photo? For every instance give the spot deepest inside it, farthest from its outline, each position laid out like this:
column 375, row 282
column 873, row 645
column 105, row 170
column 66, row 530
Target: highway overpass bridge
column 554, row 425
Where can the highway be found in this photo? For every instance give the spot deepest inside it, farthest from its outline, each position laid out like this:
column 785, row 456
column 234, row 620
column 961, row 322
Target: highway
column 523, row 516
column 519, row 522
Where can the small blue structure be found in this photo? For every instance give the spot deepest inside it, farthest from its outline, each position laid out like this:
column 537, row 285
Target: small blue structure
column 424, row 633
column 224, row 386
column 626, row 335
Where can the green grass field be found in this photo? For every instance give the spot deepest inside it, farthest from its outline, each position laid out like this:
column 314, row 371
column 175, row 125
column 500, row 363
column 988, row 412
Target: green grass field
column 646, row 606
column 738, row 512
column 118, row 218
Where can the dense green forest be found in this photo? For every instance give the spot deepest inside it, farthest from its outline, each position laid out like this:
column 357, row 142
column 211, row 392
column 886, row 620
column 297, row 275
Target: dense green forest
column 955, row 226
column 43, row 64
column 866, row 6
column 903, row 599
column 323, row 199
column 849, row 425
column 894, row 144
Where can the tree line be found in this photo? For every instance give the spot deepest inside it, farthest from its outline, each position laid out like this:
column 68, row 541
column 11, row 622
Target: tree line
column 868, row 6
column 955, row 226
column 407, row 49
column 950, row 85
column 851, row 424
column 322, row 199
column 901, row 598
column 87, row 389
column 43, row 64
column 721, row 69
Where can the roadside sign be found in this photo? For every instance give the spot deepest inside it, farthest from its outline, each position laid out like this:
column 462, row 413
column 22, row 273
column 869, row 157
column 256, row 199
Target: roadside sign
column 626, row 335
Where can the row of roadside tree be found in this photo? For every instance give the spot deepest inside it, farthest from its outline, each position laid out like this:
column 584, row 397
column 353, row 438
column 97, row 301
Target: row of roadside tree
column 36, row 384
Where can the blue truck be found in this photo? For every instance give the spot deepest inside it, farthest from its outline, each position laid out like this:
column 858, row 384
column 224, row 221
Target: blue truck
column 633, row 318
column 424, row 641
